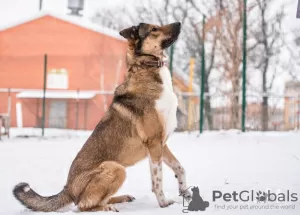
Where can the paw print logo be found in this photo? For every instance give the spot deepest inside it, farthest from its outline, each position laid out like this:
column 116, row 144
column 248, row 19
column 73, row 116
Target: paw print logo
column 261, row 197
column 195, row 202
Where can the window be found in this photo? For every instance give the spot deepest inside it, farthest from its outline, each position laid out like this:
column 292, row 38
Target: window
column 57, row 79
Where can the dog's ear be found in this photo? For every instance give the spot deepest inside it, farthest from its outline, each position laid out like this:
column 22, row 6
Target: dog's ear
column 128, row 33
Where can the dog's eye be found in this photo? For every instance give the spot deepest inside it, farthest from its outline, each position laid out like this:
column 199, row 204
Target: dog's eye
column 154, row 29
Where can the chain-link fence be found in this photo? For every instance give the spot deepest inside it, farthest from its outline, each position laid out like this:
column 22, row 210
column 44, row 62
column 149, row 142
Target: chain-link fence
column 79, row 89
column 82, row 111
column 280, row 113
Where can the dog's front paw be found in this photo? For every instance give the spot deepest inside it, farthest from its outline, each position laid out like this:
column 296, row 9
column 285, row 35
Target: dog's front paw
column 186, row 194
column 128, row 198
column 166, row 203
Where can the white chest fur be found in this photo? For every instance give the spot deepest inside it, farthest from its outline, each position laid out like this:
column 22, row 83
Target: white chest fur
column 167, row 104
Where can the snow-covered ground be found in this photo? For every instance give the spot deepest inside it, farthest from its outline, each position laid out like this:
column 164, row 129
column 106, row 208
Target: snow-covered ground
column 224, row 161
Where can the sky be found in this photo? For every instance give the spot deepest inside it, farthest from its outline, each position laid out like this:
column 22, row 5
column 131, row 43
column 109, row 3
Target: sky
column 11, row 10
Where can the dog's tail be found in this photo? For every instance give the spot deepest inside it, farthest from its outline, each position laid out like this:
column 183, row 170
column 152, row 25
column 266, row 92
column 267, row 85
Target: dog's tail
column 30, row 199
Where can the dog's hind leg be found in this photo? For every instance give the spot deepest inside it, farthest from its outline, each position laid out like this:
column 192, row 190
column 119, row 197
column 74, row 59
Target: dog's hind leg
column 105, row 181
column 171, row 161
column 155, row 158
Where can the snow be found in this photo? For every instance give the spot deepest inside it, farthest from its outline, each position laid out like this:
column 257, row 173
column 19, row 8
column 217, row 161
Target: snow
column 226, row 161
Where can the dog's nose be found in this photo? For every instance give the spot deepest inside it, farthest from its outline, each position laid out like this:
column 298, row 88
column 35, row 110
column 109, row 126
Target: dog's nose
column 177, row 25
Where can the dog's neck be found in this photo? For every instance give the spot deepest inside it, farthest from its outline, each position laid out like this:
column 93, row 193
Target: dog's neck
column 135, row 59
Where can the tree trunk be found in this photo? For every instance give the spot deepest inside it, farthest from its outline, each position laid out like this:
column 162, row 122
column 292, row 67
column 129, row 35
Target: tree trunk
column 235, row 104
column 235, row 112
column 265, row 113
column 265, row 106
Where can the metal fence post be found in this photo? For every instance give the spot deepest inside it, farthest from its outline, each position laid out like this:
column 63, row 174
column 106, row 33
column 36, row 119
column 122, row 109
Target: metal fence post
column 9, row 111
column 171, row 60
column 244, row 65
column 77, row 109
column 201, row 121
column 44, row 94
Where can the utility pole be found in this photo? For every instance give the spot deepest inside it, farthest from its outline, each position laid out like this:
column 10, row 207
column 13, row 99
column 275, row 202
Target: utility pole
column 244, row 65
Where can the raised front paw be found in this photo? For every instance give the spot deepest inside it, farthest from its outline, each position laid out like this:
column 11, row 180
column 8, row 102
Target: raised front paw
column 166, row 203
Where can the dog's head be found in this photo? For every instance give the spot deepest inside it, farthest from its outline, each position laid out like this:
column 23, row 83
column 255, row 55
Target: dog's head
column 148, row 39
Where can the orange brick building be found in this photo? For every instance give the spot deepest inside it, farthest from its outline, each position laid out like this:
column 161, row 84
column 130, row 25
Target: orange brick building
column 85, row 63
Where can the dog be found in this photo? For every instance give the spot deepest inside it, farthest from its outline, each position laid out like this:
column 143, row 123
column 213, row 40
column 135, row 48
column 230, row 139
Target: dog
column 137, row 125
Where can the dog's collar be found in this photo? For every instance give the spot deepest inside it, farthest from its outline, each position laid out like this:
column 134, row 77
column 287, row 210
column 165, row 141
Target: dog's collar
column 157, row 62
column 154, row 63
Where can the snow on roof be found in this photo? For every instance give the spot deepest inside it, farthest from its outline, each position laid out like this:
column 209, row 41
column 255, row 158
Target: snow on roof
column 56, row 94
column 79, row 21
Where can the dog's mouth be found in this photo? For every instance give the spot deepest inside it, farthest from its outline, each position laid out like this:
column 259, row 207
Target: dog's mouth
column 168, row 42
column 175, row 31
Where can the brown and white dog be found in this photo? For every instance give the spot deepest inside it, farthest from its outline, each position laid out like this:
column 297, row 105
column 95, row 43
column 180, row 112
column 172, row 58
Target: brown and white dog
column 137, row 125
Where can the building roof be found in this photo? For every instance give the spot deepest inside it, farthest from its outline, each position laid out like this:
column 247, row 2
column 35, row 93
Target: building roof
column 292, row 84
column 79, row 21
column 56, row 94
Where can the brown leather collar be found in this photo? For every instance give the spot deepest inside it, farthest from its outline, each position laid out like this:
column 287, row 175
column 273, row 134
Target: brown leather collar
column 154, row 63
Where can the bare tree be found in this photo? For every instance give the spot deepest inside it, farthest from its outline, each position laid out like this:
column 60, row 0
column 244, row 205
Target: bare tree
column 231, row 51
column 294, row 61
column 186, row 11
column 108, row 18
column 268, row 37
column 223, row 41
column 211, row 36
